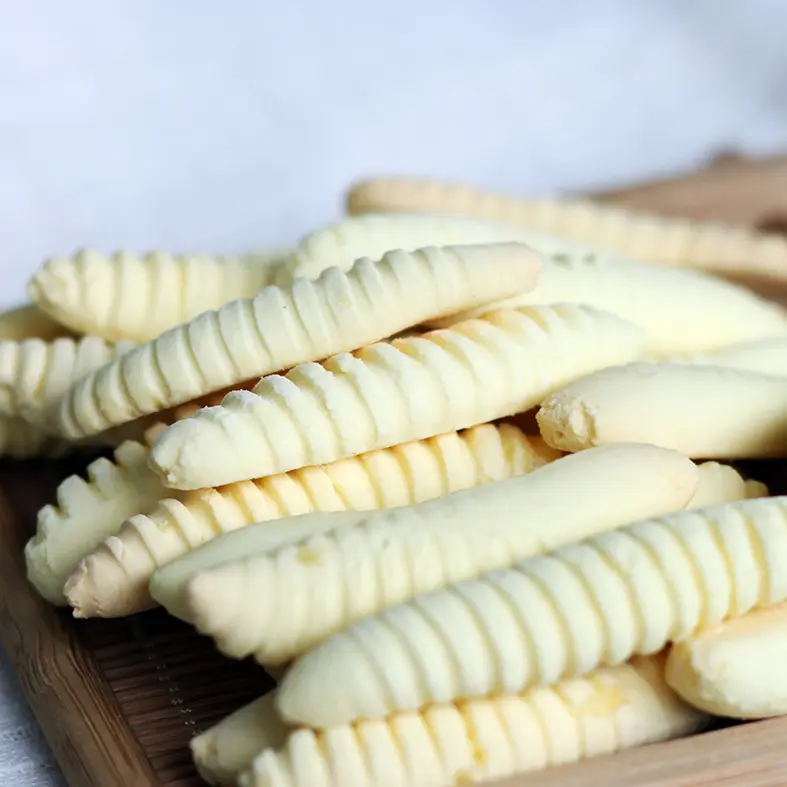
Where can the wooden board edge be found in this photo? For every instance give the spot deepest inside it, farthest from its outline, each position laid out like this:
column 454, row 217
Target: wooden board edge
column 746, row 755
column 74, row 705
column 741, row 191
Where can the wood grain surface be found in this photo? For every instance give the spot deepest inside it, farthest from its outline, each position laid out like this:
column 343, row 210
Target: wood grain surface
column 119, row 700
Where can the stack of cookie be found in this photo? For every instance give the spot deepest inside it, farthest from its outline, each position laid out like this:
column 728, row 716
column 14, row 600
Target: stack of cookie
column 458, row 477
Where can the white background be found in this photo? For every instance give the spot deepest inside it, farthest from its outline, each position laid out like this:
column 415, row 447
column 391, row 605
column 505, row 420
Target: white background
column 222, row 126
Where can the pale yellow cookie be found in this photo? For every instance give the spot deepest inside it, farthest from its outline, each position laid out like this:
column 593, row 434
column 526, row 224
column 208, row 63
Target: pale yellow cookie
column 725, row 249
column 113, row 580
column 702, row 411
column 137, row 297
column 226, row 749
column 301, row 590
column 372, row 234
column 679, row 310
column 35, row 374
column 482, row 740
column 766, row 356
column 735, row 668
column 29, row 322
column 87, row 512
column 281, row 327
column 723, row 484
column 389, row 393
column 600, row 601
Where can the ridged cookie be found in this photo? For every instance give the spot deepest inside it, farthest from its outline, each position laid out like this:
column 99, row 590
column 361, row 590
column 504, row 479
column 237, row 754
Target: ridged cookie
column 35, row 374
column 389, row 393
column 281, row 327
column 137, row 297
column 599, row 601
column 721, row 248
column 679, row 310
column 487, row 739
column 113, row 580
column 308, row 590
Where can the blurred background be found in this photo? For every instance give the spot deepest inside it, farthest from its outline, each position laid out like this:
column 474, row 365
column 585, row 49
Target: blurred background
column 208, row 126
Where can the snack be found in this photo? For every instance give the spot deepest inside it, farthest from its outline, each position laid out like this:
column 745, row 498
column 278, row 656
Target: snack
column 735, row 668
column 128, row 296
column 113, row 580
column 34, row 374
column 372, row 234
column 550, row 617
column 87, row 512
column 301, row 590
column 482, row 740
column 723, row 484
column 679, row 310
column 223, row 751
column 307, row 321
column 390, row 393
column 766, row 356
column 701, row 411
column 721, row 248
column 29, row 322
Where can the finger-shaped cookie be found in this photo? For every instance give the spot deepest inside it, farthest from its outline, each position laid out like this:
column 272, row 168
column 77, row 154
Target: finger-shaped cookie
column 720, row 483
column 86, row 512
column 371, row 235
column 735, row 668
column 600, row 601
column 389, row 393
column 228, row 748
column 483, row 740
column 137, row 297
column 725, row 249
column 391, row 556
column 701, row 411
column 35, row 374
column 29, row 322
column 766, row 356
column 281, row 327
column 113, row 580
column 679, row 310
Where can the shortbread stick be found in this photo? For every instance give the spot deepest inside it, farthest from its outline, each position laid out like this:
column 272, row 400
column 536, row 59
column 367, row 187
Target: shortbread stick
column 20, row 439
column 600, row 601
column 766, row 356
column 138, row 297
column 403, row 475
column 226, row 749
column 34, row 374
column 679, row 310
column 371, row 235
column 735, row 668
column 308, row 321
column 113, row 581
column 483, row 740
column 301, row 590
column 395, row 392
column 720, row 248
column 87, row 512
column 701, row 411
column 29, row 322
column 720, row 483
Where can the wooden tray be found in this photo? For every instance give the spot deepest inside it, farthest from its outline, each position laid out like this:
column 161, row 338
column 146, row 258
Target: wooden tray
column 119, row 700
